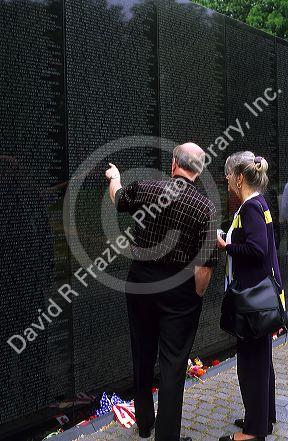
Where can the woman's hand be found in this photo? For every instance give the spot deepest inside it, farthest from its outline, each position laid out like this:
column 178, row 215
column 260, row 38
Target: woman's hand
column 221, row 244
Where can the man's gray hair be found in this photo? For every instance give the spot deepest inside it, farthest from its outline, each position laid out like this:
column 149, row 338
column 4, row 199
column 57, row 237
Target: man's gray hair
column 192, row 162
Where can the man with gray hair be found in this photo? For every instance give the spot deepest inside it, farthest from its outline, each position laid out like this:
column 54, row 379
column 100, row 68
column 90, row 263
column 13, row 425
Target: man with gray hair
column 173, row 248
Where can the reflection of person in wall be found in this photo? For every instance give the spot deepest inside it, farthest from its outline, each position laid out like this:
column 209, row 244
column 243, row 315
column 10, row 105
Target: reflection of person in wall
column 284, row 233
column 166, row 319
column 284, row 205
column 252, row 256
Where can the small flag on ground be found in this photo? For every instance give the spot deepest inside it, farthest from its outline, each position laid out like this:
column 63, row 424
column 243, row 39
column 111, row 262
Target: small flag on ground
column 125, row 414
column 62, row 419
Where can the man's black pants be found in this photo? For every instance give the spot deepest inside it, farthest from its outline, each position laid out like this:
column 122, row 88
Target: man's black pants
column 257, row 384
column 168, row 320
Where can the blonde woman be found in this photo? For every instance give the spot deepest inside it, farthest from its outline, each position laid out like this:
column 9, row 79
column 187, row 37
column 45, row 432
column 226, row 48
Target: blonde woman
column 250, row 248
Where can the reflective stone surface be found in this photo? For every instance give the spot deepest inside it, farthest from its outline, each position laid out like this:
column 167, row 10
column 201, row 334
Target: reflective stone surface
column 74, row 77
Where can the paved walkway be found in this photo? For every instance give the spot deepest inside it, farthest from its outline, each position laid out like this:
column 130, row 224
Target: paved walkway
column 210, row 407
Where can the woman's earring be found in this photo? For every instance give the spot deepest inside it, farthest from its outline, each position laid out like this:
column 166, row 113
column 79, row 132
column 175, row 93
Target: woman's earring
column 239, row 185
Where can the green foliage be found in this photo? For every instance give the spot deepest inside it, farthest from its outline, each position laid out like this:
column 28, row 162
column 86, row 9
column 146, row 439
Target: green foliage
column 268, row 15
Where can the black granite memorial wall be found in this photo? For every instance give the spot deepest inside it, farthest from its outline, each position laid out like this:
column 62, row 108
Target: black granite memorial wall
column 282, row 84
column 77, row 75
column 33, row 174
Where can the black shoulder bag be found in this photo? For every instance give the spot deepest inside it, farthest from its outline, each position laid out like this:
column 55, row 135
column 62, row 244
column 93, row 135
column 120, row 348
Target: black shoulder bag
column 253, row 312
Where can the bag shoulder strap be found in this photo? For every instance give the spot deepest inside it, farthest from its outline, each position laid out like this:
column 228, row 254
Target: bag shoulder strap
column 263, row 212
column 269, row 250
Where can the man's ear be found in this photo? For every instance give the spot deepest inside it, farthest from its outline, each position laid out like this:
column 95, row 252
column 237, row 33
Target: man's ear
column 173, row 165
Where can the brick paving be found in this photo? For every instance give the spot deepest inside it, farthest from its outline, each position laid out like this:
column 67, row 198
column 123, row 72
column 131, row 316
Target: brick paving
column 210, row 408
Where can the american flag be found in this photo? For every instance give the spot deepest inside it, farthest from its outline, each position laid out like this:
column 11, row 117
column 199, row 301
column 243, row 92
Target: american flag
column 124, row 414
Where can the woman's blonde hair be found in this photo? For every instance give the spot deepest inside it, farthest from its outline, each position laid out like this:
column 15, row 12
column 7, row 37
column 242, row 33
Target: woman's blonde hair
column 253, row 168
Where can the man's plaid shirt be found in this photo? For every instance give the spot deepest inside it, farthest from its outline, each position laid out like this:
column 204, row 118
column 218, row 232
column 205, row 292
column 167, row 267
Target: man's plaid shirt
column 174, row 223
